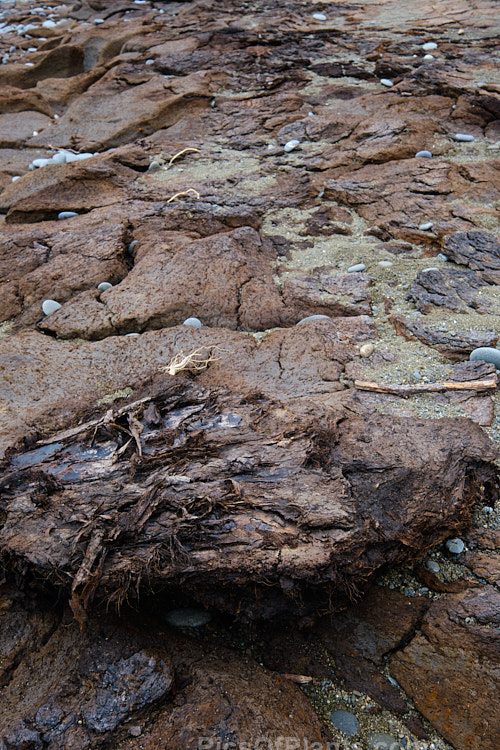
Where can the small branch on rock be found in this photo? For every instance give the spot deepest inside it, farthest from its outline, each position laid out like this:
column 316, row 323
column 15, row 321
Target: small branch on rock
column 397, row 389
column 185, row 192
column 180, row 153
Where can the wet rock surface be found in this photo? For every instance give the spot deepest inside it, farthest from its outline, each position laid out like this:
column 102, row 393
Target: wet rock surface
column 249, row 166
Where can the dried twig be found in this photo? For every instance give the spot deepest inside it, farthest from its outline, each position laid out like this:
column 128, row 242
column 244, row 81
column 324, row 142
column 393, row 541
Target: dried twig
column 106, row 419
column 193, row 362
column 407, row 390
column 180, row 153
column 185, row 192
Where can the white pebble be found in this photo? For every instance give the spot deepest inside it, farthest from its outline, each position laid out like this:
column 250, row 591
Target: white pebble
column 423, row 155
column 37, row 163
column 98, row 21
column 50, row 306
column 59, row 158
column 30, row 65
column 32, row 49
column 193, row 322
column 429, row 45
column 104, row 285
column 357, row 268
column 442, row 256
column 431, row 268
column 429, row 57
column 48, row 24
column 366, row 350
column 463, row 137
column 16, row 177
column 132, row 246
column 427, row 225
column 319, row 16
column 150, row 61
column 291, row 145
column 66, row 215
column 131, row 334
column 385, row 263
column 386, row 82
column 56, row 117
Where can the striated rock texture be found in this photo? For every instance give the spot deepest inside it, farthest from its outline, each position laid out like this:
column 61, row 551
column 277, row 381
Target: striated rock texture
column 262, row 483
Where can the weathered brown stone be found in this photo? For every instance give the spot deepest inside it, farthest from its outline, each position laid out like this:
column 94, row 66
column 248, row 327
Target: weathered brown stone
column 477, row 250
column 449, row 288
column 452, row 668
column 455, row 344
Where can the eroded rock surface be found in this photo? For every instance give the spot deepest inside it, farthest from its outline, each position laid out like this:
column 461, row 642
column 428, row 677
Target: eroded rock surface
column 266, row 482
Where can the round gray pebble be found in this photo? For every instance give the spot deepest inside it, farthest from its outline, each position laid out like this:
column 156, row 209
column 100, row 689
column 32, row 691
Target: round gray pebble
column 59, row 158
column 345, row 722
column 66, row 215
column 429, row 45
column 132, row 246
column 433, row 566
column 427, row 225
column 464, row 137
column 486, row 354
column 386, row 82
column 189, row 617
column 441, row 256
column 193, row 322
column 357, row 268
column 291, row 145
column 382, row 741
column 455, row 546
column 50, row 306
column 428, row 57
column 423, row 155
column 104, row 285
column 313, row 317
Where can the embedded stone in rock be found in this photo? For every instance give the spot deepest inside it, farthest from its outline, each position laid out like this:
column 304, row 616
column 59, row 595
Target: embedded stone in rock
column 386, row 82
column 423, row 155
column 463, row 137
column 50, row 306
column 66, row 215
column 193, row 322
column 486, row 354
column 313, row 317
column 345, row 721
column 455, row 546
column 291, row 146
column 357, row 268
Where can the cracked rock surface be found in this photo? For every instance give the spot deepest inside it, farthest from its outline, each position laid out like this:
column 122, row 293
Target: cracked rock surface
column 245, row 165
